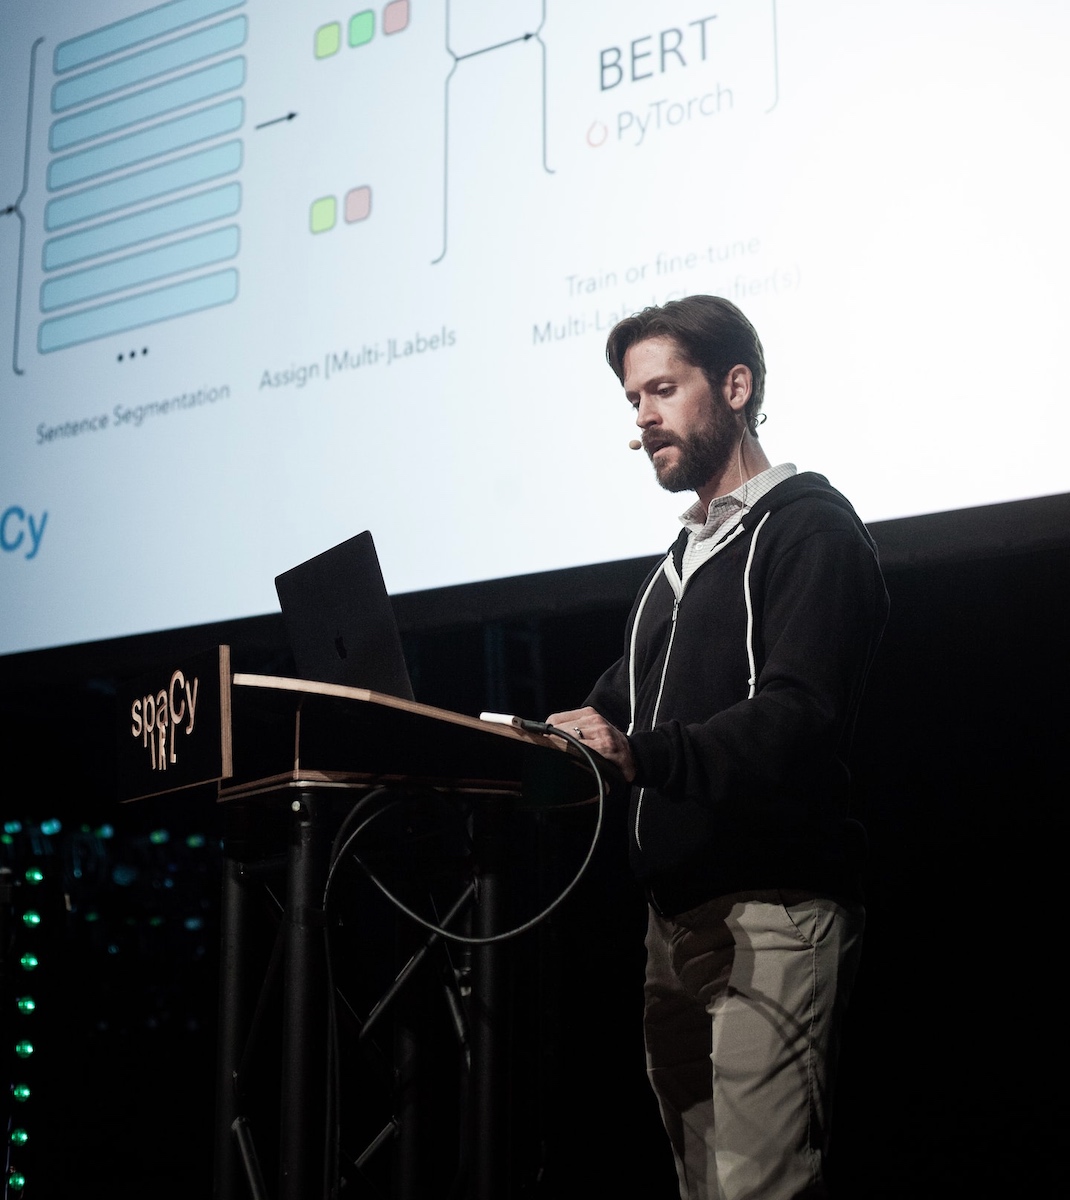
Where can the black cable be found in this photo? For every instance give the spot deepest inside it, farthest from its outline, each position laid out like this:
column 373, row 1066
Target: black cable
column 535, row 727
column 341, row 845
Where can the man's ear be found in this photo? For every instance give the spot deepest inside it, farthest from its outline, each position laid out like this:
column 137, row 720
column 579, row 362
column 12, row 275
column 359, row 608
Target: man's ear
column 737, row 386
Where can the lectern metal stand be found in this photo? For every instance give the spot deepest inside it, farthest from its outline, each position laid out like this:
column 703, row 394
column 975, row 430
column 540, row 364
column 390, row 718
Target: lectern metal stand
column 292, row 755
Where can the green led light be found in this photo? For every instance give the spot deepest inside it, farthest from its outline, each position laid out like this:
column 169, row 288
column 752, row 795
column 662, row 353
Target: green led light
column 92, row 915
column 195, row 841
column 16, row 1181
column 31, row 917
column 12, row 826
column 6, row 839
column 24, row 1047
column 21, row 1092
column 159, row 837
column 19, row 1137
column 51, row 827
column 29, row 962
column 26, row 1004
column 34, row 875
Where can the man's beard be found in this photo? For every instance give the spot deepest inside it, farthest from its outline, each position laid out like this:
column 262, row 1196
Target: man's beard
column 703, row 453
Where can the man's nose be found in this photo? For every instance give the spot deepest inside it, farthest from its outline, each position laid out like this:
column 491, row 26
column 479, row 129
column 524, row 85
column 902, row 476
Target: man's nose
column 646, row 413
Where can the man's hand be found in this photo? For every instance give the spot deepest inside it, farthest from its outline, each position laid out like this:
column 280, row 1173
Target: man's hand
column 603, row 738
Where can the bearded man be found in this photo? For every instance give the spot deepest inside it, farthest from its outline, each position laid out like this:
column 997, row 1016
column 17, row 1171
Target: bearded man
column 731, row 714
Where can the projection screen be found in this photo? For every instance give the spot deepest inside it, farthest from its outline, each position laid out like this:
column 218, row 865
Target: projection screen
column 272, row 273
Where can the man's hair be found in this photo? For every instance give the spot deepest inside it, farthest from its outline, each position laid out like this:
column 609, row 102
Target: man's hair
column 711, row 333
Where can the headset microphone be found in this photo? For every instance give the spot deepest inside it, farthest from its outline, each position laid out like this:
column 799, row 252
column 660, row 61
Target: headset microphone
column 635, row 444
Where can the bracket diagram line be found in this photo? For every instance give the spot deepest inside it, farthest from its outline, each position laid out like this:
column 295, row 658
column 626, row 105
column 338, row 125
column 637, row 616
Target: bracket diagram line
column 542, row 47
column 542, row 51
column 776, row 65
column 445, row 158
column 17, row 209
column 458, row 58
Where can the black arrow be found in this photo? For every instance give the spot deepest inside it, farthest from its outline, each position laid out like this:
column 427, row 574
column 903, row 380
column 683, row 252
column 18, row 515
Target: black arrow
column 498, row 46
column 276, row 120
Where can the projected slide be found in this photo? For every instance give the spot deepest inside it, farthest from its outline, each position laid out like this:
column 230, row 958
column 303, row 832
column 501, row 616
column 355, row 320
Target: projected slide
column 273, row 273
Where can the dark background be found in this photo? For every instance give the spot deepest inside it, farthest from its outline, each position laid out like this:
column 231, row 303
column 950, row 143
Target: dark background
column 950, row 1083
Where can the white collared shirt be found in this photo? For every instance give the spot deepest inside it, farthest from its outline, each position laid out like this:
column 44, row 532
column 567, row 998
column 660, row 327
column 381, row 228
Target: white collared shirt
column 708, row 529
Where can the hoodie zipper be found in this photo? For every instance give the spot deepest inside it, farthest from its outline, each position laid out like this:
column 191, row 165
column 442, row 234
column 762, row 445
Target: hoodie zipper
column 677, row 597
column 657, row 706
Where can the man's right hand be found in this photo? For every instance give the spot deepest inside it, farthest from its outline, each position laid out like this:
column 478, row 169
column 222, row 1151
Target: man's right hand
column 605, row 739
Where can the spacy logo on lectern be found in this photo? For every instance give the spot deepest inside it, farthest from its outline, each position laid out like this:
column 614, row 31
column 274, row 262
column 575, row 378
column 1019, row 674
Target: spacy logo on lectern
column 157, row 718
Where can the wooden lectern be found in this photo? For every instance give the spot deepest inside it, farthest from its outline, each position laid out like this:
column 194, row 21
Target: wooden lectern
column 288, row 757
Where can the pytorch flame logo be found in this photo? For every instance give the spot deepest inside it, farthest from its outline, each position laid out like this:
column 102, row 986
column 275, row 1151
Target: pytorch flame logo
column 157, row 718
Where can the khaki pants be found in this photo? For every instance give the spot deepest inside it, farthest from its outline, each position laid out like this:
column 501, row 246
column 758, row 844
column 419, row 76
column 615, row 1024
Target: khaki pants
column 745, row 998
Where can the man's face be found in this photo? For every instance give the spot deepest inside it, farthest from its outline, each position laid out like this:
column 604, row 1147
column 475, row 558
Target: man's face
column 689, row 432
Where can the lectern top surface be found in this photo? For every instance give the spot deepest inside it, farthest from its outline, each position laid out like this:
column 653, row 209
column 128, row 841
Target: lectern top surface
column 297, row 726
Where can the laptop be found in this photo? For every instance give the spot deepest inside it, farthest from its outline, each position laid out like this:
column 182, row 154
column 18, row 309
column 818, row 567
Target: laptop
column 340, row 621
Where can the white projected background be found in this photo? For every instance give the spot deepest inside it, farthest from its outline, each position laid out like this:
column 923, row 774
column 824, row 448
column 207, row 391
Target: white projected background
column 273, row 273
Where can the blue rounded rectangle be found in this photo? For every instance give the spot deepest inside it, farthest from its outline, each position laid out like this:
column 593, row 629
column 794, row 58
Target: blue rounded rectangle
column 132, row 31
column 130, row 189
column 134, row 148
column 143, row 226
column 147, row 308
column 148, row 103
column 149, row 266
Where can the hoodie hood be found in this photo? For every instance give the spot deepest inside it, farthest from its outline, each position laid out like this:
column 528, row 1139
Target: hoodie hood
column 805, row 485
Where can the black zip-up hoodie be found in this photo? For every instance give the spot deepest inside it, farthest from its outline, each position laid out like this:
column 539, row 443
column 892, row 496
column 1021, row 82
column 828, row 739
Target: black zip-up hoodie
column 739, row 692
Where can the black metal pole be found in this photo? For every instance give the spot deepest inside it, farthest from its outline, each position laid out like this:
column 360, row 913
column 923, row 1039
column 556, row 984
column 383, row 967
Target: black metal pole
column 410, row 1167
column 237, row 989
column 302, row 1136
column 490, row 1128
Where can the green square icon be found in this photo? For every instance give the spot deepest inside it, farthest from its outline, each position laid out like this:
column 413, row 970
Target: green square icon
column 361, row 27
column 323, row 214
column 328, row 39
